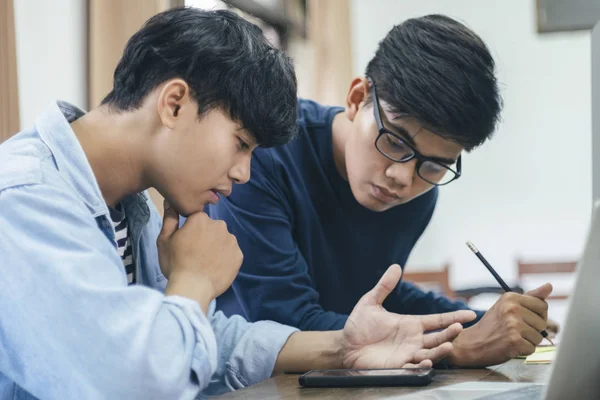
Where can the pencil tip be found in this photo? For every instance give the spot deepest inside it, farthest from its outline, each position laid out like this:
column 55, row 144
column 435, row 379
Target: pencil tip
column 472, row 247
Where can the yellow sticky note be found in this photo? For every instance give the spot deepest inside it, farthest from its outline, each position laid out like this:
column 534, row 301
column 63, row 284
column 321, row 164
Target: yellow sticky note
column 541, row 349
column 542, row 355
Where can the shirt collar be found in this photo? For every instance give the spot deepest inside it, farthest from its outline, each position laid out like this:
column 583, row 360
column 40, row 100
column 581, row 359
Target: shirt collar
column 54, row 128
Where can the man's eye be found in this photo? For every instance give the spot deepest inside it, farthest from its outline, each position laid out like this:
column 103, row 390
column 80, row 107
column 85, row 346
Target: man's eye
column 243, row 145
column 395, row 142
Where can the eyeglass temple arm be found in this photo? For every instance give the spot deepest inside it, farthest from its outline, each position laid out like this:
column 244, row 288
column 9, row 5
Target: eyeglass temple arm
column 375, row 100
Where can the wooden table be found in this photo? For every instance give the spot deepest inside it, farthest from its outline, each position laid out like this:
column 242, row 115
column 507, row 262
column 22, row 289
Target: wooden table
column 287, row 387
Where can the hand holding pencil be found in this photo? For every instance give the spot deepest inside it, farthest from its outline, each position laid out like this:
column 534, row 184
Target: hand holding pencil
column 510, row 328
column 498, row 278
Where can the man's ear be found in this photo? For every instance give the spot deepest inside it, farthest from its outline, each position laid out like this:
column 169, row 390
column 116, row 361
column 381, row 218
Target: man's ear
column 357, row 95
column 173, row 100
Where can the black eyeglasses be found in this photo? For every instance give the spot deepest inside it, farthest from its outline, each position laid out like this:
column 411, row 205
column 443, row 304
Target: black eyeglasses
column 394, row 147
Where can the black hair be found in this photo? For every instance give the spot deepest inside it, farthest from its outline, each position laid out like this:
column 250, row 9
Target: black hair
column 438, row 71
column 225, row 60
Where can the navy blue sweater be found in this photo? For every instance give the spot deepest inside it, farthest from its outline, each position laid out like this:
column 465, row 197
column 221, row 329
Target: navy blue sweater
column 310, row 250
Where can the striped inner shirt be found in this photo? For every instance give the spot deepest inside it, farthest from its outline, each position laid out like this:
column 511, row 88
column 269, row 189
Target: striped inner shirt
column 119, row 221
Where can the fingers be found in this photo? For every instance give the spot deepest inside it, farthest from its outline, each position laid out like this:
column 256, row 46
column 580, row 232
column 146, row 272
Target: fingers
column 533, row 320
column 422, row 364
column 386, row 284
column 532, row 336
column 535, row 304
column 542, row 292
column 431, row 340
column 535, row 300
column 526, row 347
column 440, row 321
column 170, row 221
column 435, row 354
column 522, row 319
column 521, row 339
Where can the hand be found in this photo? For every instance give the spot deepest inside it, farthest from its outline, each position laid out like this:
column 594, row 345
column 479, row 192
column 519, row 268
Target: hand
column 201, row 256
column 509, row 329
column 375, row 338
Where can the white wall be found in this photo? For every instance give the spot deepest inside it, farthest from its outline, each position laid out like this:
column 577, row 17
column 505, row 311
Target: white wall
column 51, row 54
column 528, row 191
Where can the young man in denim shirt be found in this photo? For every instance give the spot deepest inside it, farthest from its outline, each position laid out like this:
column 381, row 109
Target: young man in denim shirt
column 101, row 299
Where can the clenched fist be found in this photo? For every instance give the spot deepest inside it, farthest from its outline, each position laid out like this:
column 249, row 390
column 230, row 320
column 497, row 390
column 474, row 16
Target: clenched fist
column 201, row 259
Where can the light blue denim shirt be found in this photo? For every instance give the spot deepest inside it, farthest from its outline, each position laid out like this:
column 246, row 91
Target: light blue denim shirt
column 70, row 327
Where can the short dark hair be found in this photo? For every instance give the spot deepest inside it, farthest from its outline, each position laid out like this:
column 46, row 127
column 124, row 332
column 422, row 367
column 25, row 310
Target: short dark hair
column 438, row 71
column 226, row 61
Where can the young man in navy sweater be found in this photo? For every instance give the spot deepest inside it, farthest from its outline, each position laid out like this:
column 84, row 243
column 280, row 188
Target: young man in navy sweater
column 325, row 215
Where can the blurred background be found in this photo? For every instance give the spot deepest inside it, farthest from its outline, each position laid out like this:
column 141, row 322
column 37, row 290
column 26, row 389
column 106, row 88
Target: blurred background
column 524, row 198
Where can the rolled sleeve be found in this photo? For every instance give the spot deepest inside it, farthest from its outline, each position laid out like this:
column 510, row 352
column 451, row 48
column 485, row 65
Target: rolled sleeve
column 247, row 351
column 204, row 358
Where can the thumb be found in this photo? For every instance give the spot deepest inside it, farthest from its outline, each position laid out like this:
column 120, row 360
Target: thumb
column 386, row 284
column 170, row 220
column 542, row 292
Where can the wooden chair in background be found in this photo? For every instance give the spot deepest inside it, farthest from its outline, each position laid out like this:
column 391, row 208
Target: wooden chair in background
column 437, row 281
column 528, row 269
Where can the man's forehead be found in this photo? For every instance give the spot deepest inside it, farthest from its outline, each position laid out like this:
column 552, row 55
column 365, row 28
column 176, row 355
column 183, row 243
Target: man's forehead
column 392, row 114
column 408, row 122
column 413, row 128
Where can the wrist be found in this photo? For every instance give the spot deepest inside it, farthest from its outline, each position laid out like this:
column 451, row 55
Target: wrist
column 336, row 350
column 192, row 285
column 464, row 347
column 311, row 350
column 329, row 350
column 457, row 357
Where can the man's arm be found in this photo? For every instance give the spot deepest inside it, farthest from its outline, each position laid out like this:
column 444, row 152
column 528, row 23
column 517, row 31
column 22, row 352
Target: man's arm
column 374, row 337
column 274, row 282
column 69, row 316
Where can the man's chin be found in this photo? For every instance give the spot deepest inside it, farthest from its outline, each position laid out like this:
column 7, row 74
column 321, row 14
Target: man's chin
column 377, row 205
column 186, row 212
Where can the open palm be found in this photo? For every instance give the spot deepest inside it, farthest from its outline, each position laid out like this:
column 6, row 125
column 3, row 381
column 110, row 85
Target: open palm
column 376, row 338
